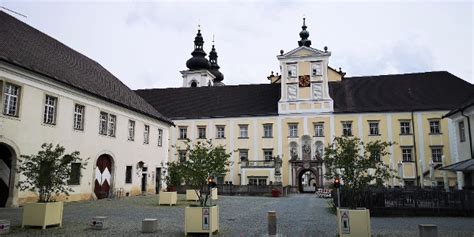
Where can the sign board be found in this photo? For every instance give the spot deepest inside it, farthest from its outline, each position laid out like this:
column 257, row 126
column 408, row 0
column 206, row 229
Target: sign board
column 345, row 225
column 205, row 218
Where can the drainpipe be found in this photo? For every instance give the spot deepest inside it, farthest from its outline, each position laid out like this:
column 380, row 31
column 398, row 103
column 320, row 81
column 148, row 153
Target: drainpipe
column 418, row 183
column 469, row 132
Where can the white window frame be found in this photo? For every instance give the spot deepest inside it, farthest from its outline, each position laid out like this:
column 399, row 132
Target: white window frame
column 111, row 125
column 79, row 112
column 268, row 130
column 435, row 127
column 405, row 127
column 347, row 128
column 220, row 131
column 243, row 154
column 201, row 132
column 11, row 99
column 103, row 122
column 131, row 130
column 407, row 154
column 183, row 132
column 462, row 131
column 293, row 130
column 243, row 130
column 146, row 134
column 267, row 154
column 437, row 154
column 374, row 128
column 319, row 129
column 160, row 137
column 50, row 108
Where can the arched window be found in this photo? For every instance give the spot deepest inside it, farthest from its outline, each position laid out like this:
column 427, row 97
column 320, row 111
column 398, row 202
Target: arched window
column 194, row 84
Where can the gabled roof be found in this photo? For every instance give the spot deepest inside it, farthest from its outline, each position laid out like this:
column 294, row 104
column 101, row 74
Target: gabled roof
column 23, row 46
column 462, row 107
column 387, row 93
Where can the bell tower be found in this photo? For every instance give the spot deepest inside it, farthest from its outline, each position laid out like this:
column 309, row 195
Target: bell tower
column 198, row 73
column 304, row 78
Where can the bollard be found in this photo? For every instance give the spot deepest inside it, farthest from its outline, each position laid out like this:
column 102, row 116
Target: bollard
column 428, row 230
column 272, row 223
column 149, row 225
column 98, row 222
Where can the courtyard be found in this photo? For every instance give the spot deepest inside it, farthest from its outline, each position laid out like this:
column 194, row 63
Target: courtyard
column 298, row 215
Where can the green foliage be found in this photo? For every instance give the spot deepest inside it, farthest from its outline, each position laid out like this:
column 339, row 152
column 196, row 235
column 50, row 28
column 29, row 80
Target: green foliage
column 351, row 159
column 173, row 179
column 48, row 171
column 204, row 160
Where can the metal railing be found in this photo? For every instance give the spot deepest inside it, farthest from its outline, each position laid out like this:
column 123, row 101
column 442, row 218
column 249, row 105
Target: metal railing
column 257, row 164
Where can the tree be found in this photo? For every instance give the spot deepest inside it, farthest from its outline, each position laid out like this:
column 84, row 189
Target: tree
column 203, row 161
column 359, row 165
column 173, row 179
column 48, row 172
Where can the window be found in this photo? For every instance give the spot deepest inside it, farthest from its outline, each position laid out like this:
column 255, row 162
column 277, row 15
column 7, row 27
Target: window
column 375, row 156
column 131, row 130
column 50, row 104
column 319, row 129
column 292, row 70
column 437, row 154
column 405, row 127
column 107, row 124
column 103, row 123
column 462, row 131
column 75, row 178
column 146, row 134
column 374, row 128
column 244, row 131
column 111, row 125
column 244, row 154
column 182, row 155
column 183, row 132
column 268, row 154
column 434, row 127
column 11, row 100
column 128, row 174
column 347, row 128
column 267, row 130
column 293, row 129
column 262, row 181
column 160, row 137
column 316, row 69
column 202, row 132
column 220, row 131
column 407, row 154
column 79, row 117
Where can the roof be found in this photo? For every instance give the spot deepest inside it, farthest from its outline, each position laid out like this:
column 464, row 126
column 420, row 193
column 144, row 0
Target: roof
column 464, row 166
column 468, row 103
column 386, row 93
column 215, row 101
column 23, row 46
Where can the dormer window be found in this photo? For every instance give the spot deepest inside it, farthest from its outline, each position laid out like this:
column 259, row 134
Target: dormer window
column 292, row 71
column 316, row 69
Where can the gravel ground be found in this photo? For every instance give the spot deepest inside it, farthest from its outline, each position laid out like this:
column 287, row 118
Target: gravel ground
column 298, row 215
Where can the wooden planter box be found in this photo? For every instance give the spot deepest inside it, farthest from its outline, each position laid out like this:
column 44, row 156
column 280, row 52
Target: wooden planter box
column 201, row 220
column 191, row 195
column 353, row 222
column 168, row 198
column 43, row 214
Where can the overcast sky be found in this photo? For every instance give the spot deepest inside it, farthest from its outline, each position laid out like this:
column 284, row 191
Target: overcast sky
column 146, row 44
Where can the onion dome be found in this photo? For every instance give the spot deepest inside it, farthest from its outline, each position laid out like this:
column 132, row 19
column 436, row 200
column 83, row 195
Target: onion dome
column 198, row 61
column 304, row 34
column 214, row 66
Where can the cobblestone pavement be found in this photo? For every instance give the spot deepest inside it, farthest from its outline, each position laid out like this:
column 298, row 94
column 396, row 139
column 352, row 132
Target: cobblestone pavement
column 298, row 215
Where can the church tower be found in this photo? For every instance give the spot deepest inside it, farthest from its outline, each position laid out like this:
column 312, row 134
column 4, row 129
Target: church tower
column 198, row 73
column 215, row 67
column 304, row 79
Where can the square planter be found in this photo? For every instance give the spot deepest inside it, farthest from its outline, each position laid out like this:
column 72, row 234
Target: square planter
column 201, row 220
column 214, row 194
column 168, row 198
column 353, row 222
column 191, row 195
column 43, row 214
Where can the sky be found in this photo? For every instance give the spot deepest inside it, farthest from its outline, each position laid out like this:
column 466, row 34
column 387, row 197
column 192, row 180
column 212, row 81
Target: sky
column 146, row 43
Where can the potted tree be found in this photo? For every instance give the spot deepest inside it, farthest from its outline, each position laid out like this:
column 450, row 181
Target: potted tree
column 358, row 166
column 204, row 161
column 170, row 197
column 46, row 174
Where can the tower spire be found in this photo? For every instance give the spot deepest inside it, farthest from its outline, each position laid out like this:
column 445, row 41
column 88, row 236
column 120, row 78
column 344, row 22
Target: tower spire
column 198, row 61
column 214, row 66
column 304, row 34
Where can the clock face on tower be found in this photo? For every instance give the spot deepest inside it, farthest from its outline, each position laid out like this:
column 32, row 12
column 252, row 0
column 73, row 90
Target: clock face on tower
column 304, row 81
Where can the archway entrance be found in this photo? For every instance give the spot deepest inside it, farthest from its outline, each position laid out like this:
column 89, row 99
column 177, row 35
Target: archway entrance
column 6, row 173
column 307, row 181
column 103, row 176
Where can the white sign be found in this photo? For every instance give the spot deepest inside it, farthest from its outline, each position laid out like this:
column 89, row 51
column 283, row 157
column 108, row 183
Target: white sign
column 345, row 225
column 205, row 219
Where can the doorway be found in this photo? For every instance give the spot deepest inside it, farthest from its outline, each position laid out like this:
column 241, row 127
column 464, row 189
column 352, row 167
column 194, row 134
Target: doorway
column 144, row 179
column 307, row 181
column 6, row 173
column 103, row 176
column 158, row 180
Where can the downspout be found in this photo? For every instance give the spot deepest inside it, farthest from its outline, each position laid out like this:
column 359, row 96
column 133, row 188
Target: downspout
column 469, row 132
column 414, row 150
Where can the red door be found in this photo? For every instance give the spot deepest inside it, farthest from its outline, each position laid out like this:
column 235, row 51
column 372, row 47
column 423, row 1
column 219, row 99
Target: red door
column 103, row 175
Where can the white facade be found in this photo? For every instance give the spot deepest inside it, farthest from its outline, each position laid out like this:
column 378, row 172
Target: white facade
column 197, row 78
column 23, row 135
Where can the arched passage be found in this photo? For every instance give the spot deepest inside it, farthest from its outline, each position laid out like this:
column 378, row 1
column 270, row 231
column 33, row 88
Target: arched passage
column 307, row 181
column 7, row 156
column 103, row 176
